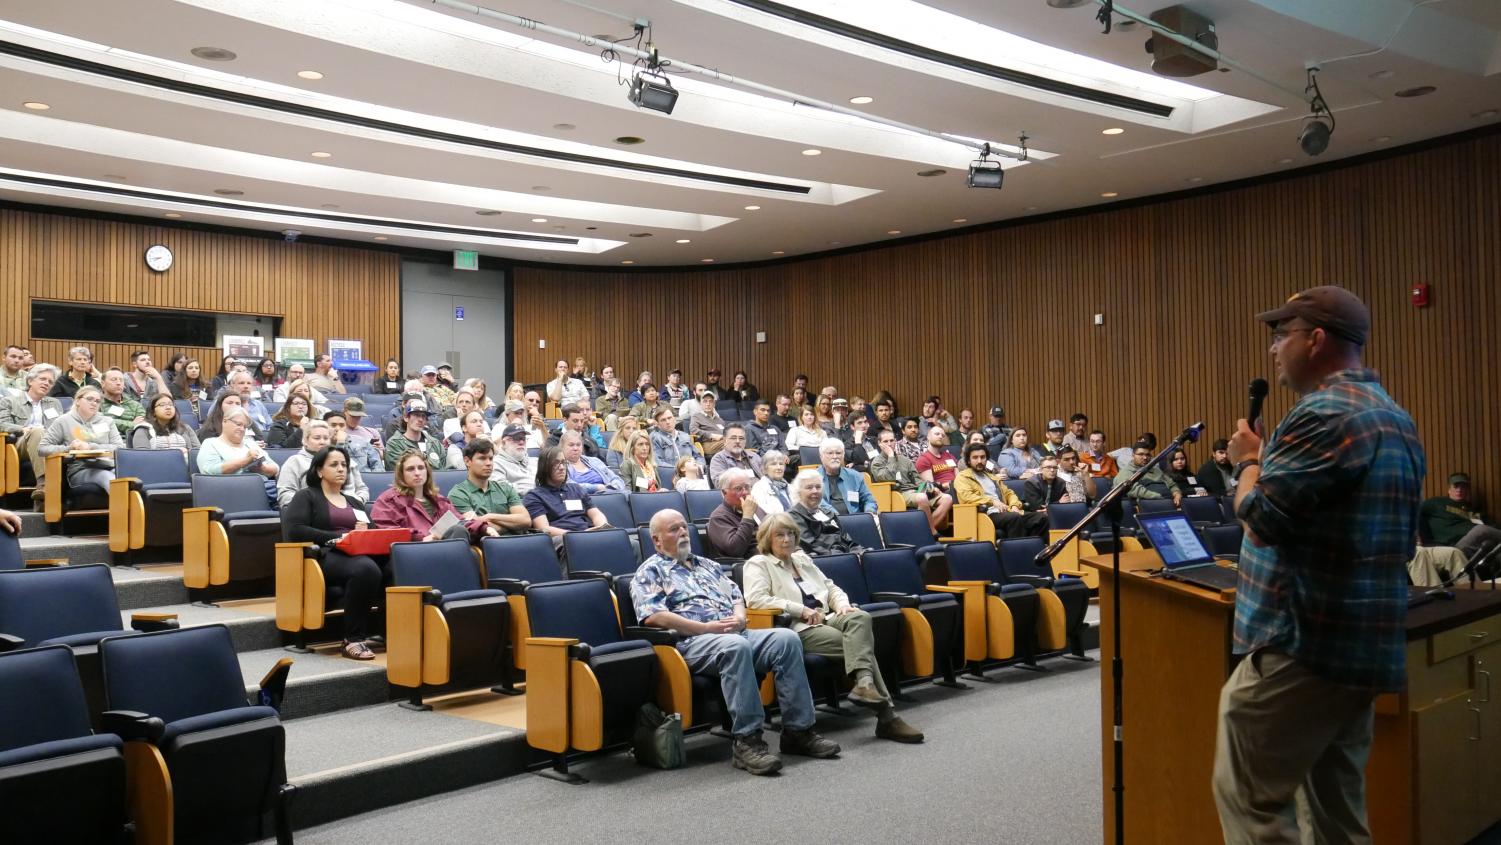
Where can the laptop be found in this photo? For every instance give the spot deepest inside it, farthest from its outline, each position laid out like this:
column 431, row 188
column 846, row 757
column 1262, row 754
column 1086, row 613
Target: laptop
column 1184, row 557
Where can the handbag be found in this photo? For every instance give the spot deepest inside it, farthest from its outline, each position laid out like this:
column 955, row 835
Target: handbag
column 658, row 740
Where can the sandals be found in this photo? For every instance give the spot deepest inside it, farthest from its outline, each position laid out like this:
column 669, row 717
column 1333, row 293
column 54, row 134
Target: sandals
column 357, row 650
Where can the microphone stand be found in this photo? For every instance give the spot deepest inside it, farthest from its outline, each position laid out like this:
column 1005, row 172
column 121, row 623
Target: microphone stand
column 1109, row 504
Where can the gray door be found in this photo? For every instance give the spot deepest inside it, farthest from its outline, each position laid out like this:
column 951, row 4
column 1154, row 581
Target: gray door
column 455, row 316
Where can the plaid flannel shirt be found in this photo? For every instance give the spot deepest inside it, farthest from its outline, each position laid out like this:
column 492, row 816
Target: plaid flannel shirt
column 1336, row 507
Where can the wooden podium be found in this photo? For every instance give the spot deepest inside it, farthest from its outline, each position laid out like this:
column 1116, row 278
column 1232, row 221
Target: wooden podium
column 1435, row 765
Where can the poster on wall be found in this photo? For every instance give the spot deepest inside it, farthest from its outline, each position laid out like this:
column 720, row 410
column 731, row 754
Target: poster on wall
column 346, row 350
column 243, row 346
column 289, row 349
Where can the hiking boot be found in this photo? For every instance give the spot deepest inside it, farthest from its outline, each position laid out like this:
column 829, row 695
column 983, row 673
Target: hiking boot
column 808, row 744
column 865, row 695
column 754, row 755
column 898, row 731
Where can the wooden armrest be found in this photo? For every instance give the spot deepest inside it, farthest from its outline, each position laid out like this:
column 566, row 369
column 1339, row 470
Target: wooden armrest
column 761, row 617
column 1072, row 573
column 943, row 588
column 86, row 453
column 273, row 686
column 152, row 616
column 47, row 561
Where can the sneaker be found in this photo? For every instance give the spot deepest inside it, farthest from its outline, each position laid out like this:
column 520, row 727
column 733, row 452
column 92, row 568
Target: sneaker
column 754, row 755
column 808, row 743
column 898, row 731
column 865, row 694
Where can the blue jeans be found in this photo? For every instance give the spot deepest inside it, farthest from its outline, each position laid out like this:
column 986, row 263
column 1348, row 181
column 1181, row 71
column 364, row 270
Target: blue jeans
column 736, row 658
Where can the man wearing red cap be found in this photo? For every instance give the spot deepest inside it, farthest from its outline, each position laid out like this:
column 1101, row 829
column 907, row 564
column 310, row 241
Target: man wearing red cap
column 1330, row 508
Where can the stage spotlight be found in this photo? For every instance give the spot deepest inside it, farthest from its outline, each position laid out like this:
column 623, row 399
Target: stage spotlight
column 651, row 89
column 984, row 173
column 1319, row 124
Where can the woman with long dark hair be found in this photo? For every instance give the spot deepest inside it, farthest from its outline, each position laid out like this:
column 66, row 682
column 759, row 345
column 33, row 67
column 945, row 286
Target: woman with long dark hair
column 163, row 428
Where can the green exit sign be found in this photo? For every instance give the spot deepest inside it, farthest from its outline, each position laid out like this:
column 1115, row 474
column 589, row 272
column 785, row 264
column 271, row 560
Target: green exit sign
column 464, row 259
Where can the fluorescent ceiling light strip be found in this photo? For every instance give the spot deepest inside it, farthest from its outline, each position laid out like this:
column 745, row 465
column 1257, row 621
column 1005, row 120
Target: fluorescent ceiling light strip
column 172, row 71
column 199, row 206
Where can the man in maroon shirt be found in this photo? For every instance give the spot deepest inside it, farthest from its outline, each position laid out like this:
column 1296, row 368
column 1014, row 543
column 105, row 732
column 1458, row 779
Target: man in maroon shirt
column 936, row 465
column 732, row 525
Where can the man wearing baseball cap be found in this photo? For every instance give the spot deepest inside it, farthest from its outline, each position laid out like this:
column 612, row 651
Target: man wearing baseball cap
column 414, row 435
column 1329, row 504
column 996, row 430
column 1455, row 520
column 441, row 393
column 1052, row 441
column 513, row 465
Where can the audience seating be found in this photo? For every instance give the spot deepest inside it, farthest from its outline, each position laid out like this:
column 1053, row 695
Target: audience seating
column 1017, row 486
column 204, row 764
column 911, row 528
column 1224, row 541
column 701, row 504
column 884, row 492
column 648, row 547
column 894, row 575
column 646, row 505
column 903, row 638
column 807, row 456
column 1203, row 510
column 603, row 553
column 1063, row 597
column 447, row 479
column 587, row 675
column 229, row 534
column 146, row 500
column 445, row 627
column 378, row 482
column 1063, row 516
column 60, row 782
column 616, row 507
column 1227, row 504
column 62, row 500
column 664, row 477
column 862, row 528
column 1003, row 621
column 1146, row 506
column 514, row 562
column 10, row 465
column 11, row 557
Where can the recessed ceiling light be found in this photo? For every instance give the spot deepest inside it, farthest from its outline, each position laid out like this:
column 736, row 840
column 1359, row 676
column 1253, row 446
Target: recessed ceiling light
column 628, row 140
column 706, row 260
column 961, row 219
column 380, row 237
column 1484, row 115
column 627, row 261
column 928, row 174
column 1067, row 4
column 753, row 208
column 1114, row 130
column 1417, row 91
column 778, row 252
column 309, row 74
column 812, row 152
column 1382, row 74
column 539, row 219
column 541, row 188
column 214, row 54
column 564, row 127
column 1195, row 179
column 862, row 100
column 640, row 234
column 1030, row 208
column 35, row 106
column 229, row 192
column 321, row 154
column 1109, row 194
column 591, row 228
column 1284, row 161
column 172, row 214
column 684, row 241
column 835, row 243
column 1381, row 139
column 329, row 205
column 893, row 231
column 488, row 212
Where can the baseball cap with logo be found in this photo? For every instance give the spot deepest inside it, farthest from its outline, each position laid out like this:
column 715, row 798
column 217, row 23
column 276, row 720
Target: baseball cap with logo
column 513, row 431
column 354, row 406
column 1328, row 307
column 512, row 406
column 997, row 411
column 415, row 407
column 429, row 370
column 1459, row 478
column 1055, row 425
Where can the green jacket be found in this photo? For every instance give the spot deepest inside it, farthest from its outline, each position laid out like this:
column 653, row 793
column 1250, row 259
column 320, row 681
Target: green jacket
column 123, row 413
column 1153, row 484
column 432, row 450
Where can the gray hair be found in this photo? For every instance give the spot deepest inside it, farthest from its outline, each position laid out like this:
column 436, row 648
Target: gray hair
column 81, row 349
column 830, row 444
column 311, row 423
column 773, row 455
column 38, row 369
column 237, row 411
column 803, row 477
column 730, row 476
column 569, row 434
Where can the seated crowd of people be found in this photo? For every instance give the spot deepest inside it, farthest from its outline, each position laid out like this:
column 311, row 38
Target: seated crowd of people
column 787, row 467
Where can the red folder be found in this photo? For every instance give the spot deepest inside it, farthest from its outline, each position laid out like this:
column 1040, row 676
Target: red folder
column 372, row 541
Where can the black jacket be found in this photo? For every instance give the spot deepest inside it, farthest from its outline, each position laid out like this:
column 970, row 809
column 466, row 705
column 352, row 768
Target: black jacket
column 284, row 434
column 305, row 519
column 822, row 537
column 1039, row 493
column 1211, row 479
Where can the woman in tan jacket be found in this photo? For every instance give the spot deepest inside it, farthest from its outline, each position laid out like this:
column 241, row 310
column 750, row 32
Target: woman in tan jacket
column 784, row 578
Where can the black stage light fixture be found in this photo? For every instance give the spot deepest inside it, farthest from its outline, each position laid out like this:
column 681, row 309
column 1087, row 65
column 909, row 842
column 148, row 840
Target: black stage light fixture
column 1319, row 125
column 984, row 173
column 651, row 89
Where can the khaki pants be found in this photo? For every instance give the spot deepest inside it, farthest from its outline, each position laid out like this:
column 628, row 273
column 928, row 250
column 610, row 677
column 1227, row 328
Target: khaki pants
column 711, row 447
column 850, row 637
column 1291, row 753
column 1432, row 565
column 28, row 447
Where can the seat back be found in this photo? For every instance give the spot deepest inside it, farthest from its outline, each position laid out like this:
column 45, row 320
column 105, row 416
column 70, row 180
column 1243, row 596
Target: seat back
column 524, row 557
column 41, row 697
column 645, row 505
column 281, row 455
column 152, row 466
column 173, row 674
column 664, row 477
column 1017, row 486
column 1102, row 486
column 447, row 479
column 648, row 547
column 1155, row 506
column 1224, row 539
column 186, row 413
column 580, row 609
column 616, row 507
column 862, row 529
column 807, row 456
column 1018, row 557
column 974, row 561
column 445, row 565
column 378, row 482
column 1227, row 505
column 1203, row 510
column 845, row 572
column 230, row 493
column 701, row 504
column 1065, row 515
column 10, row 552
column 42, row 604
column 909, row 528
column 607, row 550
column 893, row 571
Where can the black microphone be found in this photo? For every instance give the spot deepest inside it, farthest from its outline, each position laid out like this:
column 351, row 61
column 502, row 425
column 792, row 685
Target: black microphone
column 1259, row 388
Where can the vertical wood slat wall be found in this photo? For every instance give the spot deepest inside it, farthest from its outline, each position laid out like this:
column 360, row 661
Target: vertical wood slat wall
column 1006, row 316
column 320, row 291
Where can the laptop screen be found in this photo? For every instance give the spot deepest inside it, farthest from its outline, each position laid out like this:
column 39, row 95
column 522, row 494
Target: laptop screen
column 1174, row 539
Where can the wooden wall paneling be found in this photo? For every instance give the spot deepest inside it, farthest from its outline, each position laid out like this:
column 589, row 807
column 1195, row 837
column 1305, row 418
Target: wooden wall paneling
column 1006, row 315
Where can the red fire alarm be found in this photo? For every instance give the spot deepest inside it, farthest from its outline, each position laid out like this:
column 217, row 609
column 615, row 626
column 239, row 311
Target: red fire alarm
column 1420, row 295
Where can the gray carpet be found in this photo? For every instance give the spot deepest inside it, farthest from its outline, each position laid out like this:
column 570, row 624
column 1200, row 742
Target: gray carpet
column 1015, row 761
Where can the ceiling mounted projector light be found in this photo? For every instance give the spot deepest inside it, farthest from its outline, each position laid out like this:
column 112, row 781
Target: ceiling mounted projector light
column 1314, row 138
column 1319, row 124
column 651, row 89
column 984, row 173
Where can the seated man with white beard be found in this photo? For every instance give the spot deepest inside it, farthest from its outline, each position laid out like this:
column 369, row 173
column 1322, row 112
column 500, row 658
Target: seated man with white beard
column 677, row 590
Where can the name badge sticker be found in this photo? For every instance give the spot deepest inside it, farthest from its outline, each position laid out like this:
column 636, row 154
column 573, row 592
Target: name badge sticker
column 573, row 504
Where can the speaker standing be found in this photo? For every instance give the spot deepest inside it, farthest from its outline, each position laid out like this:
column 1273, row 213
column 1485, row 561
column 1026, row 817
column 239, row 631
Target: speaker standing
column 1329, row 506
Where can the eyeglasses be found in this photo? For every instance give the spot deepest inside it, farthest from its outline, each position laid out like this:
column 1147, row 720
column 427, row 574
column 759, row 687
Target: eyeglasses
column 1281, row 334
